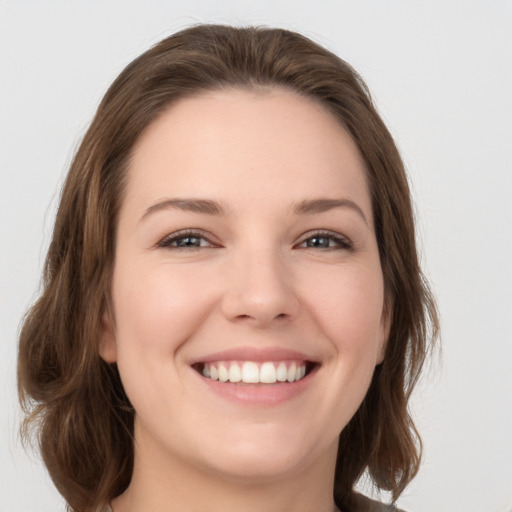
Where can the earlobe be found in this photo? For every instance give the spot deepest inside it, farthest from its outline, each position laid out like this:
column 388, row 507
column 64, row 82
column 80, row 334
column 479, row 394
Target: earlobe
column 108, row 344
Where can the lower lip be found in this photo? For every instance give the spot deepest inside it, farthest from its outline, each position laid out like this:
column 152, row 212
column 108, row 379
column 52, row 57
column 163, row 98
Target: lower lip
column 259, row 394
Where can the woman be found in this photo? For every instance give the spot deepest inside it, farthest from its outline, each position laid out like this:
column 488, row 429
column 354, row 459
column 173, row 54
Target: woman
column 233, row 315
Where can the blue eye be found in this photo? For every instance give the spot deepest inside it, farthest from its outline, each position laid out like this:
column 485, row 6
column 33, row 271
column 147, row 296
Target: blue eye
column 190, row 240
column 326, row 240
column 185, row 240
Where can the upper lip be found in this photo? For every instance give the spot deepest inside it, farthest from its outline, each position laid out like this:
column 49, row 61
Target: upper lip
column 256, row 354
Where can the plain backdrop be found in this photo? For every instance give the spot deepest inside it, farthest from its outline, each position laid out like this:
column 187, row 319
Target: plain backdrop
column 441, row 76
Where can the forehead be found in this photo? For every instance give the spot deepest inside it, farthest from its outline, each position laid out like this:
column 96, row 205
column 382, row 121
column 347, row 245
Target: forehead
column 239, row 145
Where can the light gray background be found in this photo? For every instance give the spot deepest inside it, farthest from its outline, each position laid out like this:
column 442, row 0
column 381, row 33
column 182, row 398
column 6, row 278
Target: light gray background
column 441, row 75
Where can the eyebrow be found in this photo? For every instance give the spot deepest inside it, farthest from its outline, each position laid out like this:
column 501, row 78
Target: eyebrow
column 210, row 207
column 312, row 206
column 202, row 206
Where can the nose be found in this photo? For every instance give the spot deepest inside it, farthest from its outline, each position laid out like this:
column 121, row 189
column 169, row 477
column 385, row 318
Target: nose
column 259, row 290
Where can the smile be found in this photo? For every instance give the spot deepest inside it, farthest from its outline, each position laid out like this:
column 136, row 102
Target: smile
column 257, row 377
column 250, row 372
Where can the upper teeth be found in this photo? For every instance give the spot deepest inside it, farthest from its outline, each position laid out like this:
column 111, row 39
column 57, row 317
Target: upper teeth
column 254, row 373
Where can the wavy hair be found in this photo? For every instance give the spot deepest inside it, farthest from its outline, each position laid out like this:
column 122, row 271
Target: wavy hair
column 74, row 402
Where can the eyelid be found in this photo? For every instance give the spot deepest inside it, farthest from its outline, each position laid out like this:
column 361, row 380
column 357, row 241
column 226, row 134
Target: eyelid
column 343, row 242
column 165, row 242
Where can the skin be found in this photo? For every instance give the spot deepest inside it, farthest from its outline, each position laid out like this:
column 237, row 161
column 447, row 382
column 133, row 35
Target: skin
column 256, row 280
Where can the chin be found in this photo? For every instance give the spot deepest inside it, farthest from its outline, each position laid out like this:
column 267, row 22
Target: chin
column 257, row 469
column 277, row 455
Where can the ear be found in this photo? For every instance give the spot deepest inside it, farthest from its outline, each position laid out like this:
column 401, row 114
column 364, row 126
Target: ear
column 108, row 344
column 384, row 330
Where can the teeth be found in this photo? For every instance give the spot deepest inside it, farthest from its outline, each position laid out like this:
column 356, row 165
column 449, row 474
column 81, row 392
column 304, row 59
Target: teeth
column 292, row 373
column 223, row 373
column 268, row 373
column 235, row 374
column 282, row 372
column 250, row 372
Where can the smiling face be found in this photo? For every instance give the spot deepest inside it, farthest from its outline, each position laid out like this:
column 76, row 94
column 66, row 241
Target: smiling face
column 247, row 290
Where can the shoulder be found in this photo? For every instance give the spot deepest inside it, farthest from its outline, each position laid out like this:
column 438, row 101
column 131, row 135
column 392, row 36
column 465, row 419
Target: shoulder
column 364, row 504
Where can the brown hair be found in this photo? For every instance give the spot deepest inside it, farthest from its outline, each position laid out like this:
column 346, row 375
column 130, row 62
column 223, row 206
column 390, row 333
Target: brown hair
column 74, row 400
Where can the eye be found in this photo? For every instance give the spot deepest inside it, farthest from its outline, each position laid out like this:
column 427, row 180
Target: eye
column 188, row 239
column 326, row 240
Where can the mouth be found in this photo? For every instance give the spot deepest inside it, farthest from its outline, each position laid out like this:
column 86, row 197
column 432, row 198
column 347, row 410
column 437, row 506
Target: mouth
column 255, row 372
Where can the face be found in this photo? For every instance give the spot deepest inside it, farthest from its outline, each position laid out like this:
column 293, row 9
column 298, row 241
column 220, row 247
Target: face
column 247, row 288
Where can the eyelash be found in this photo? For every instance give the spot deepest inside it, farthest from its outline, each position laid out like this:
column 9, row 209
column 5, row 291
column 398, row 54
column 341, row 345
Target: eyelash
column 341, row 242
column 182, row 235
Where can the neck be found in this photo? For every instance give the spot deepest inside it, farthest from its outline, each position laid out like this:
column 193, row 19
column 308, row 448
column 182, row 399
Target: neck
column 164, row 484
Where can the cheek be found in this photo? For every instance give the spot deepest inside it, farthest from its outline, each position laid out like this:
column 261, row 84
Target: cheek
column 348, row 305
column 148, row 308
column 158, row 309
